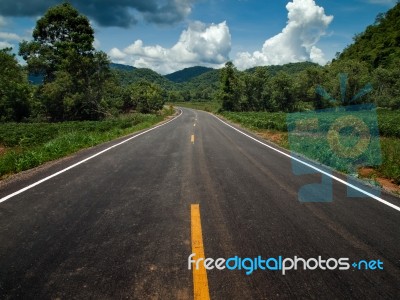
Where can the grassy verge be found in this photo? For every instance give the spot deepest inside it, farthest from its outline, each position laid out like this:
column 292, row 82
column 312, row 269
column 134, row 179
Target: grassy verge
column 206, row 106
column 273, row 126
column 28, row 145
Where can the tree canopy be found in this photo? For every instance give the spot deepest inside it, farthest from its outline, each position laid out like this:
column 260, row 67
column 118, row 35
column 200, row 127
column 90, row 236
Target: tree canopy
column 14, row 89
column 74, row 73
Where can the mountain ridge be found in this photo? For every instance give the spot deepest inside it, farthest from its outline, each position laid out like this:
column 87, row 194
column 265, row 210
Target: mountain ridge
column 187, row 74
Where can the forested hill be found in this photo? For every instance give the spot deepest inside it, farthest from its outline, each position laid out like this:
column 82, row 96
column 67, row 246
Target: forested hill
column 121, row 67
column 379, row 44
column 290, row 68
column 126, row 77
column 187, row 74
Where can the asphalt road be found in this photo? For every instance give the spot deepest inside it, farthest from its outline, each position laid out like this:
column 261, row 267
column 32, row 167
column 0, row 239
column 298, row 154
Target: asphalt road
column 118, row 226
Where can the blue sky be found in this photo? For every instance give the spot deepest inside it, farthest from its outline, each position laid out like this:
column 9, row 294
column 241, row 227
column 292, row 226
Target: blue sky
column 168, row 35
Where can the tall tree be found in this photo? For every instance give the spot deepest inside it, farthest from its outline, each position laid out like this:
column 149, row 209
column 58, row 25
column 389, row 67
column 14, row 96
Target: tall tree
column 282, row 92
column 230, row 88
column 74, row 73
column 254, row 87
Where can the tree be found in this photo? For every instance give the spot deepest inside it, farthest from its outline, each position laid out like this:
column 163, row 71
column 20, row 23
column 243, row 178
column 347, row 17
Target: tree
column 230, row 88
column 282, row 92
column 147, row 97
column 14, row 89
column 74, row 73
column 386, row 84
column 60, row 33
column 254, row 87
column 346, row 78
column 307, row 83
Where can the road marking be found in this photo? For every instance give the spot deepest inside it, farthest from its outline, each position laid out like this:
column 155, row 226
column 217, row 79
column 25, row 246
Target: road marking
column 83, row 161
column 200, row 281
column 313, row 167
column 192, row 139
column 194, row 125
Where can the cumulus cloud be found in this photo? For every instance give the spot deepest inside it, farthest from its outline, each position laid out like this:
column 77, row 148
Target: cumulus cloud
column 9, row 36
column 306, row 24
column 200, row 44
column 5, row 45
column 7, row 39
column 121, row 13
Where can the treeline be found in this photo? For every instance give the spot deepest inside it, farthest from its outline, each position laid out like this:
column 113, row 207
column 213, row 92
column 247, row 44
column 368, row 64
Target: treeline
column 316, row 87
column 78, row 83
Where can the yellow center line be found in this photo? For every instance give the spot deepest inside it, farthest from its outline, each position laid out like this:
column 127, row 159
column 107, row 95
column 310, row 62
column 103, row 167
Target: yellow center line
column 192, row 139
column 200, row 281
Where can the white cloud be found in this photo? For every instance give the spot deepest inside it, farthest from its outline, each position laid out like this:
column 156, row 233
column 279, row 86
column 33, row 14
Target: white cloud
column 5, row 45
column 200, row 44
column 306, row 24
column 7, row 39
column 9, row 36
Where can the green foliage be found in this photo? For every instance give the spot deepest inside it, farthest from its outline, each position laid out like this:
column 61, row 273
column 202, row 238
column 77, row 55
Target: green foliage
column 386, row 84
column 389, row 121
column 282, row 92
column 259, row 120
column 379, row 44
column 210, row 106
column 14, row 89
column 120, row 67
column 74, row 73
column 127, row 77
column 60, row 33
column 146, row 97
column 358, row 76
column 255, row 91
column 290, row 68
column 200, row 88
column 230, row 89
column 390, row 167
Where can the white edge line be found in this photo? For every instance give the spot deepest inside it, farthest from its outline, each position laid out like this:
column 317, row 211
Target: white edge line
column 84, row 160
column 313, row 167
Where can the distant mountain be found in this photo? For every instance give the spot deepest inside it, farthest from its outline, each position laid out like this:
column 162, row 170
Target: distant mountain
column 115, row 66
column 208, row 80
column 187, row 74
column 290, row 68
column 127, row 77
column 379, row 44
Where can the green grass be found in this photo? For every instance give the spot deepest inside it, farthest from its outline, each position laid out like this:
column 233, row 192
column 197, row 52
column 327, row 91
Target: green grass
column 315, row 147
column 258, row 120
column 390, row 167
column 28, row 145
column 206, row 106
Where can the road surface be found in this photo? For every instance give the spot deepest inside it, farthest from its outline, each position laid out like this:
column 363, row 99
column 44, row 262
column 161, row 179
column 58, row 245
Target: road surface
column 118, row 226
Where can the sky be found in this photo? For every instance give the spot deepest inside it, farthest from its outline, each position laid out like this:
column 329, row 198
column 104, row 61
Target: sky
column 169, row 35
